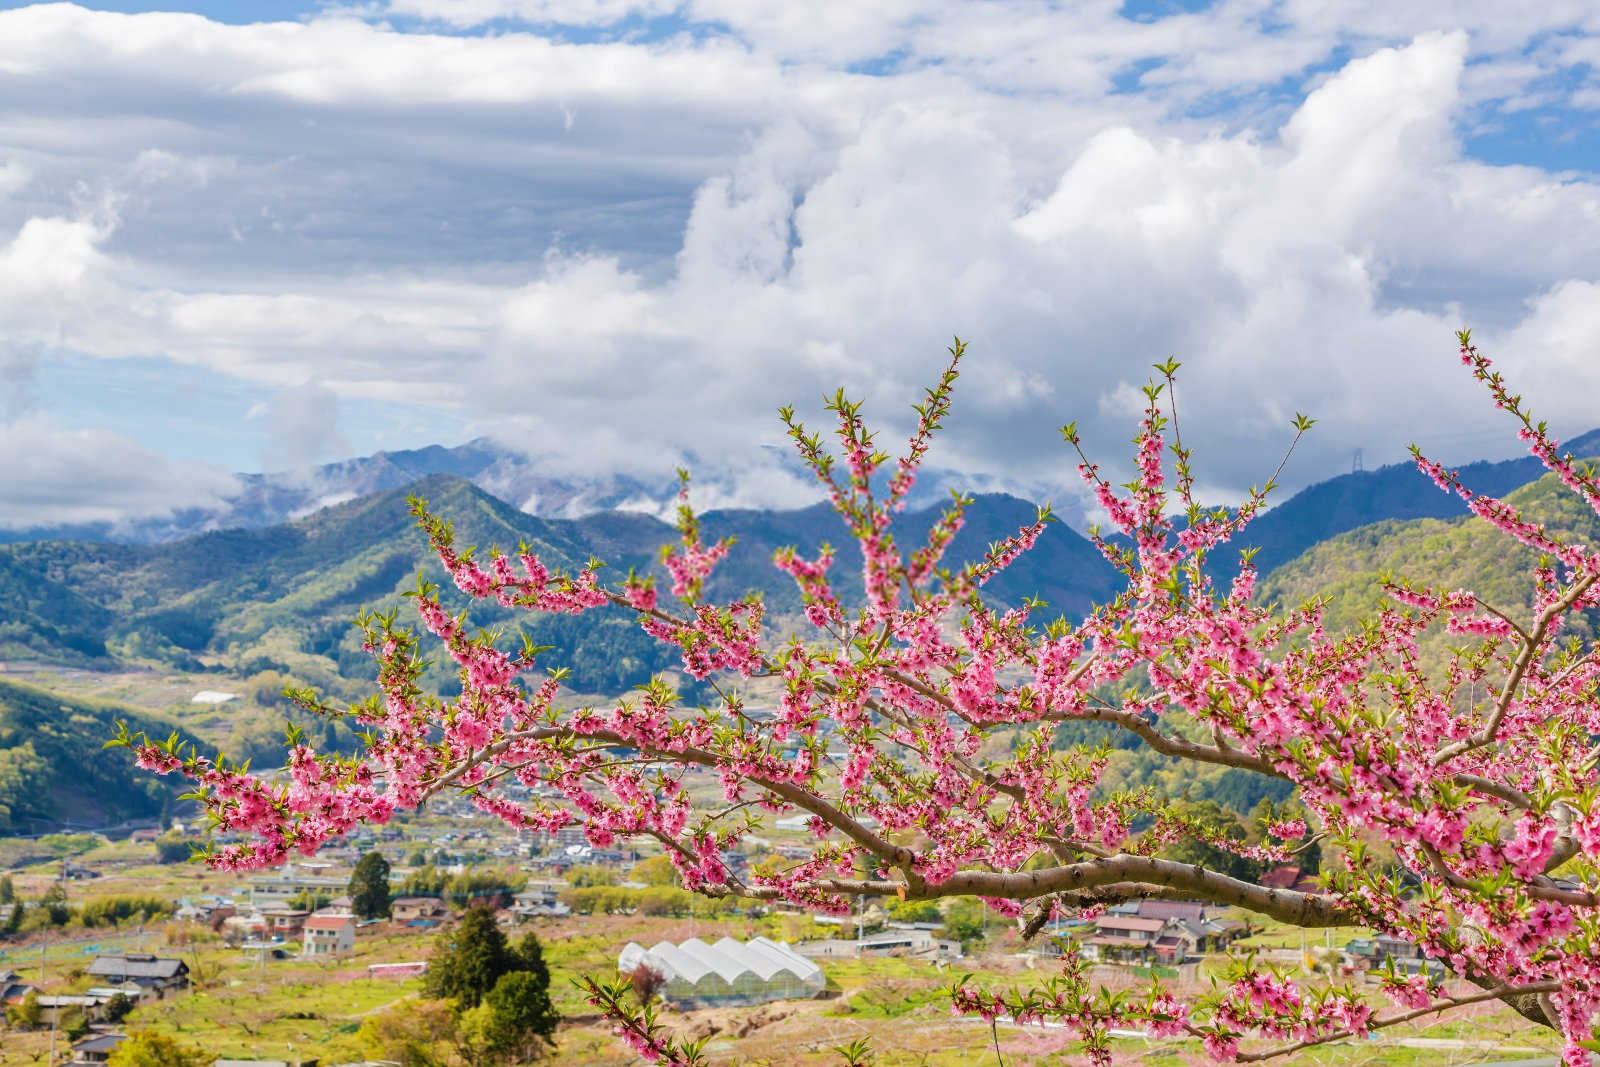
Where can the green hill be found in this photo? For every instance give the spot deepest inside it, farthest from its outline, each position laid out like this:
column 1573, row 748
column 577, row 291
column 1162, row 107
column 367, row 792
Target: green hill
column 1453, row 553
column 1398, row 491
column 54, row 768
column 280, row 599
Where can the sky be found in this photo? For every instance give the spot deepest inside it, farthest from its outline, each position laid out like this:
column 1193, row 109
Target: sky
column 617, row 235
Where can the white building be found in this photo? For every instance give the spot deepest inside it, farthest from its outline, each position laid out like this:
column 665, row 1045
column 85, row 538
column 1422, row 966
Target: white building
column 330, row 934
column 728, row 972
column 910, row 942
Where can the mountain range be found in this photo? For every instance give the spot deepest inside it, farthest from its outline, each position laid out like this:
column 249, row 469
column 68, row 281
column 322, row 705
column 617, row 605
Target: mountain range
column 520, row 480
column 264, row 603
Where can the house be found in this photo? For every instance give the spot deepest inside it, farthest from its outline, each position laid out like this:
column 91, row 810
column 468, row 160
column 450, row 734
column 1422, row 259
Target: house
column 330, row 934
column 209, row 914
column 237, row 928
column 1370, row 953
column 284, row 922
column 539, row 900
column 52, row 1006
column 142, row 969
column 132, row 990
column 1119, row 938
column 1200, row 936
column 1194, row 910
column 96, row 1048
column 405, row 910
column 12, row 987
column 275, row 890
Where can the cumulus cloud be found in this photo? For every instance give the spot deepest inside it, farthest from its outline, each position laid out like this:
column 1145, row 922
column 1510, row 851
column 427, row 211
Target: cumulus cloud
column 624, row 250
column 58, row 475
column 301, row 424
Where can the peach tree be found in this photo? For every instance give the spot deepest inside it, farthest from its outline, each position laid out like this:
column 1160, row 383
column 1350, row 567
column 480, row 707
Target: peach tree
column 916, row 726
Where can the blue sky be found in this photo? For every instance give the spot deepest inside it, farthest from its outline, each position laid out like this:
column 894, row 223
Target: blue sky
column 620, row 233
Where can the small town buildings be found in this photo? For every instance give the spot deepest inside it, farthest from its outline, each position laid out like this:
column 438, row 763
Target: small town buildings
column 147, row 971
column 132, row 990
column 13, row 988
column 1163, row 909
column 275, row 889
column 539, row 900
column 241, row 927
column 918, row 944
column 206, row 913
column 96, row 1048
column 285, row 923
column 1124, row 939
column 1371, row 952
column 330, row 934
column 1158, row 931
column 53, row 1006
column 407, row 910
column 727, row 973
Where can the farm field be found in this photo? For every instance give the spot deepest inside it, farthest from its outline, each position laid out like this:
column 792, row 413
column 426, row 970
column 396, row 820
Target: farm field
column 244, row 1007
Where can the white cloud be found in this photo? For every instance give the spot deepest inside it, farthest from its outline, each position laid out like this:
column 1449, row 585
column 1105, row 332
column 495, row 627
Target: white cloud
column 302, row 428
column 57, row 475
column 626, row 254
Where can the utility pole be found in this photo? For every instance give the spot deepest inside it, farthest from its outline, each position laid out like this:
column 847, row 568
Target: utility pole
column 55, row 1016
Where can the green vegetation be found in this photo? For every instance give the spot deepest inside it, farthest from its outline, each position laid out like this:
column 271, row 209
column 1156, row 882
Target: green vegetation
column 492, row 1002
column 275, row 604
column 146, row 1048
column 461, row 889
column 1445, row 553
column 53, row 765
column 369, row 886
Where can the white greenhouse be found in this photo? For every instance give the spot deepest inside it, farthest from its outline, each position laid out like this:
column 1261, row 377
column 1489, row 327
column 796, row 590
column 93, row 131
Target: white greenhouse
column 699, row 975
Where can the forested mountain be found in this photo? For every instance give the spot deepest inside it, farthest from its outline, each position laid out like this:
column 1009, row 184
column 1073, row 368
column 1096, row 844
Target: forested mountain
column 282, row 597
column 1451, row 553
column 1397, row 491
column 55, row 770
column 274, row 603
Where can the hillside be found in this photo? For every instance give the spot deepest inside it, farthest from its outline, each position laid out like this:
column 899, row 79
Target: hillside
column 1455, row 553
column 281, row 598
column 1394, row 492
column 54, row 768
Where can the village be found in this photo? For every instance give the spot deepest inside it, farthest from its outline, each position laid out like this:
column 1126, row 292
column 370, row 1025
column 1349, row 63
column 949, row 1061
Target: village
column 257, row 949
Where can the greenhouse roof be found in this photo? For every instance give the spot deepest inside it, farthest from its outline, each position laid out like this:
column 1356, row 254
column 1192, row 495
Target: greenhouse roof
column 728, row 959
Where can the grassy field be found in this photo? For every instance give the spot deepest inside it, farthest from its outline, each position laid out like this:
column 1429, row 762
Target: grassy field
column 295, row 1008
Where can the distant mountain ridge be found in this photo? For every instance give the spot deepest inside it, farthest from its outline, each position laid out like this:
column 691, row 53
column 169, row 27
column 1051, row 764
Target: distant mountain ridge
column 284, row 594
column 269, row 499
column 520, row 480
column 1396, row 491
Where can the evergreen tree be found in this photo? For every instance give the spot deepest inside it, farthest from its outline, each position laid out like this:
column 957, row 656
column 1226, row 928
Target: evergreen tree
column 8, row 891
column 469, row 960
column 522, row 1020
column 369, row 886
column 530, row 957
